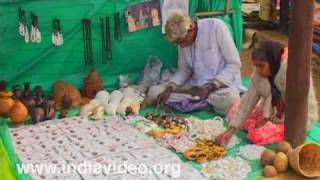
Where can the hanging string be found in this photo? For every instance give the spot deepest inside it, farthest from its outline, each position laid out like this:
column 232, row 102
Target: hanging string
column 117, row 26
column 87, row 41
column 108, row 37
column 103, row 40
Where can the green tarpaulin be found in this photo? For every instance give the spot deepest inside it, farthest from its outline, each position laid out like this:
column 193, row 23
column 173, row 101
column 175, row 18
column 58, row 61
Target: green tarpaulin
column 43, row 63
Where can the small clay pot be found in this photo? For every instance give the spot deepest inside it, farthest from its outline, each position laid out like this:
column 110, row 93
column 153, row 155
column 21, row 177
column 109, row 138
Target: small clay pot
column 26, row 90
column 18, row 113
column 49, row 110
column 37, row 115
column 29, row 103
column 92, row 84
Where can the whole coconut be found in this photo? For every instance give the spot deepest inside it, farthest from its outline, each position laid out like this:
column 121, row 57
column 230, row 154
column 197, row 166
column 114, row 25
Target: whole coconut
column 269, row 171
column 284, row 147
column 281, row 162
column 267, row 157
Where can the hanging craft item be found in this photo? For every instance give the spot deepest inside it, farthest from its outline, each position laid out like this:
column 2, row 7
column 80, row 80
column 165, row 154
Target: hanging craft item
column 35, row 32
column 87, row 41
column 105, row 39
column 23, row 29
column 143, row 15
column 57, row 38
column 117, row 30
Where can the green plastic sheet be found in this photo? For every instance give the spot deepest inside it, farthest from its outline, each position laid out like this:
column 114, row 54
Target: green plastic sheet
column 43, row 63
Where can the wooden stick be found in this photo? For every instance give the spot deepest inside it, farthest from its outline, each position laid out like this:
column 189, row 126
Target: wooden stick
column 298, row 73
column 213, row 13
column 227, row 7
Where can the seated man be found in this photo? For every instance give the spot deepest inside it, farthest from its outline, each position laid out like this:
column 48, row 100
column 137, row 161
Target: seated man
column 208, row 65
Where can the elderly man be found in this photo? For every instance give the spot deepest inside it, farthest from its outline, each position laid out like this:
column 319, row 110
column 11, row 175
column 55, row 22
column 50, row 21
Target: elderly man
column 208, row 65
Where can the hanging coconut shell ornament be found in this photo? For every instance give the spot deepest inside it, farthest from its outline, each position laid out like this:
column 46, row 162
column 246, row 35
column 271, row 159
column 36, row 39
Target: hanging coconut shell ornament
column 92, row 84
column 18, row 113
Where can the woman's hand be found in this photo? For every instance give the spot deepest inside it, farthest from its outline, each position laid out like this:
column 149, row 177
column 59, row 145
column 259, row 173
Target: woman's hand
column 262, row 122
column 164, row 96
column 224, row 138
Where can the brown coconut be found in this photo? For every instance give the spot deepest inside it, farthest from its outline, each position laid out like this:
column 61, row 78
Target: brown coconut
column 269, row 171
column 281, row 162
column 284, row 147
column 267, row 157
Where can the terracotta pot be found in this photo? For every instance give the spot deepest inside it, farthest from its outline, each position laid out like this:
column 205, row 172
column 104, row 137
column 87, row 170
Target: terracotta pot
column 305, row 160
column 17, row 93
column 6, row 102
column 92, row 84
column 18, row 113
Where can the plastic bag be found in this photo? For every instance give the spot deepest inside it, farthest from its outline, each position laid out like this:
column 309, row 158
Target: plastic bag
column 269, row 133
column 124, row 81
column 250, row 122
column 152, row 72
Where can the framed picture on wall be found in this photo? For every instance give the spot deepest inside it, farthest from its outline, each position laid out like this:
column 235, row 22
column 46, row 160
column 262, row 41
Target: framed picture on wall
column 143, row 15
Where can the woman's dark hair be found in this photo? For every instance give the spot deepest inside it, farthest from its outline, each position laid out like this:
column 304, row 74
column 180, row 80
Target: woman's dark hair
column 270, row 51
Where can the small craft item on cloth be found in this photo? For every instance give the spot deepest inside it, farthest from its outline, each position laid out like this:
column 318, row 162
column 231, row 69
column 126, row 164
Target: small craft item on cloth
column 179, row 142
column 269, row 133
column 251, row 151
column 114, row 102
column 145, row 126
column 6, row 102
column 61, row 88
column 204, row 150
column 208, row 129
column 229, row 168
column 166, row 121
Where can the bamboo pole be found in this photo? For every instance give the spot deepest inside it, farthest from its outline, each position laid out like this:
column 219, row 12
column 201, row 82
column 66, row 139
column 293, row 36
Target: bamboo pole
column 298, row 74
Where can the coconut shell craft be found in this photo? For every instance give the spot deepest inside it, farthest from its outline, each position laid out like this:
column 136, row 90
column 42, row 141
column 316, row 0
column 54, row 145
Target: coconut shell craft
column 62, row 88
column 305, row 160
column 92, row 84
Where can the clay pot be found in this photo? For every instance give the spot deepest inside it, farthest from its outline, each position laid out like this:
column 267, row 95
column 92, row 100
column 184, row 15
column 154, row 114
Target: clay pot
column 26, row 90
column 18, row 113
column 92, row 84
column 6, row 102
column 29, row 102
column 49, row 110
column 37, row 115
column 305, row 160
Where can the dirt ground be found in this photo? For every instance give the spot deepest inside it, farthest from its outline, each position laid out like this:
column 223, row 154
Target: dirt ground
column 247, row 66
